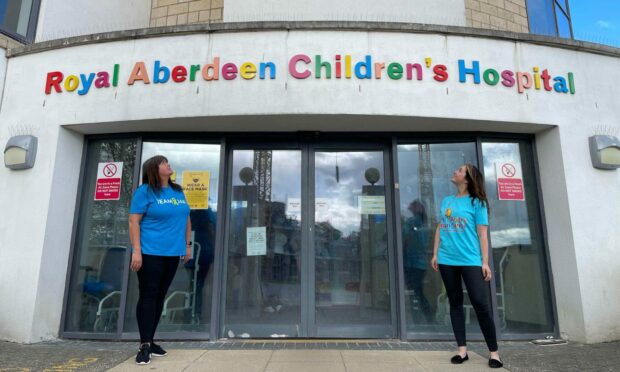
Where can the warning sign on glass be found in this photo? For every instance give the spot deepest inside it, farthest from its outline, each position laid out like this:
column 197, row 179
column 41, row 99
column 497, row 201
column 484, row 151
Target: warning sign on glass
column 109, row 177
column 509, row 181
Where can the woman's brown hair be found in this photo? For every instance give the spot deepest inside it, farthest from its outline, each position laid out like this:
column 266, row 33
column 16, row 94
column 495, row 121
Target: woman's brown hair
column 150, row 174
column 475, row 185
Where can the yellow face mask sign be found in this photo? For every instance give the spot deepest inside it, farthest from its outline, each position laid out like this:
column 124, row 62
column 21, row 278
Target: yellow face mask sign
column 196, row 188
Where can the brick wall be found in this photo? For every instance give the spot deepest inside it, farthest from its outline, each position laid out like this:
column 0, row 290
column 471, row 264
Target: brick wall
column 505, row 15
column 182, row 12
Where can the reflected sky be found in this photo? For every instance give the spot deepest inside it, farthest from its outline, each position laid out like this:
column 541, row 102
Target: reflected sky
column 188, row 157
column 444, row 159
column 509, row 221
column 339, row 178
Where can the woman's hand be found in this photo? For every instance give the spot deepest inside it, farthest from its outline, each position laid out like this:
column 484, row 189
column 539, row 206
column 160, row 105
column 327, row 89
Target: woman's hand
column 188, row 254
column 136, row 261
column 486, row 272
column 434, row 263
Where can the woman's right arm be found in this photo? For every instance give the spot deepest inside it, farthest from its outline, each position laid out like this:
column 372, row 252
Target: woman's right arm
column 435, row 249
column 134, row 237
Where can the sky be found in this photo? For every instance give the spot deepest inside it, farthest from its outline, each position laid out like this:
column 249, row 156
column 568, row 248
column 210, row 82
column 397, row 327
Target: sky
column 596, row 20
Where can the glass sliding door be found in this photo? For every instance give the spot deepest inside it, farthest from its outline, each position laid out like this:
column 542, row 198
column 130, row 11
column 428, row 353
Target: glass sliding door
column 351, row 251
column 187, row 307
column 523, row 295
column 102, row 243
column 263, row 245
column 424, row 171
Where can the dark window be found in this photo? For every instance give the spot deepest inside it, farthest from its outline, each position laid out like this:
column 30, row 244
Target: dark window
column 18, row 18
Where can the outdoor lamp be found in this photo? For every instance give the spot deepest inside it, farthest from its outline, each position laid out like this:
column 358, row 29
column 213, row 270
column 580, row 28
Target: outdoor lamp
column 20, row 152
column 605, row 152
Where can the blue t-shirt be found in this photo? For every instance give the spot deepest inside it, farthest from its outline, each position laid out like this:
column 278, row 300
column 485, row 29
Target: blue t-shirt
column 415, row 240
column 164, row 220
column 458, row 236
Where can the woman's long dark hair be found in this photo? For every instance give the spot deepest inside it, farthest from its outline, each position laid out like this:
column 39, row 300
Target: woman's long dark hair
column 475, row 185
column 150, row 174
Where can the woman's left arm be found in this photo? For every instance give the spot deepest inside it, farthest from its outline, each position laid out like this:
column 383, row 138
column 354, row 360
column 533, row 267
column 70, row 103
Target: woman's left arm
column 484, row 250
column 188, row 239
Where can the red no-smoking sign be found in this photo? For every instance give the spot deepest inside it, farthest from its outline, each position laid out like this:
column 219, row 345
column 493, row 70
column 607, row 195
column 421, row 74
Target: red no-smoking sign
column 509, row 182
column 109, row 170
column 509, row 170
column 109, row 176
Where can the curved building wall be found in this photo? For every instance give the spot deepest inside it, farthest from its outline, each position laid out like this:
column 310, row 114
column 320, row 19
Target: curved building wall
column 580, row 202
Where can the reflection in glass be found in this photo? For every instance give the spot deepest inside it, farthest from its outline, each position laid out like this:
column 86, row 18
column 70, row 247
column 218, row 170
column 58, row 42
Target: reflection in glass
column 516, row 238
column 101, row 244
column 564, row 28
column 263, row 293
column 541, row 18
column 350, row 243
column 15, row 16
column 187, row 306
column 424, row 172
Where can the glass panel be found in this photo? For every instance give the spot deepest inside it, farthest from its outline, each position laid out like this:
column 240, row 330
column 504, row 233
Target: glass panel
column 263, row 282
column 563, row 23
column 424, row 173
column 15, row 16
column 541, row 17
column 101, row 244
column 518, row 253
column 351, row 251
column 187, row 306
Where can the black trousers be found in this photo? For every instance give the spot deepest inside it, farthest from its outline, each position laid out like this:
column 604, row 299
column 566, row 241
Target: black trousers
column 479, row 296
column 414, row 279
column 154, row 278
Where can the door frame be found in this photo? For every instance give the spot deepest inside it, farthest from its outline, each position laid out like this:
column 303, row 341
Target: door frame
column 308, row 145
column 359, row 331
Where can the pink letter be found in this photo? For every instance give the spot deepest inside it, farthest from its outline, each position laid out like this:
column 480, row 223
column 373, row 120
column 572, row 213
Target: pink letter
column 293, row 64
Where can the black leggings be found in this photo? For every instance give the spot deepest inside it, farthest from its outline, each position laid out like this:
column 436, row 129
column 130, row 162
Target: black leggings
column 479, row 295
column 154, row 278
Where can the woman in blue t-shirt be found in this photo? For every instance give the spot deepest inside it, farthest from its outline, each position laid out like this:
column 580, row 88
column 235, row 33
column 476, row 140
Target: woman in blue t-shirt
column 461, row 252
column 160, row 231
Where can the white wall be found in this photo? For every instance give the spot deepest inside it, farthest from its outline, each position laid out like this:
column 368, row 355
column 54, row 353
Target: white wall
column 3, row 63
column 443, row 12
column 57, row 238
column 67, row 18
column 581, row 203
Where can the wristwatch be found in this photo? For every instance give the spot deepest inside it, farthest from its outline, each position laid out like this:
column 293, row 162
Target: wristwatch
column 190, row 243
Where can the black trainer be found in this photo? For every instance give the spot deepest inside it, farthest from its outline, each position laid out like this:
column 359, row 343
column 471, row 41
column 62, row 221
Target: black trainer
column 144, row 355
column 157, row 350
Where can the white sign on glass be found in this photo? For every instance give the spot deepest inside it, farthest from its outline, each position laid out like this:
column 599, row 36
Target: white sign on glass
column 371, row 204
column 256, row 241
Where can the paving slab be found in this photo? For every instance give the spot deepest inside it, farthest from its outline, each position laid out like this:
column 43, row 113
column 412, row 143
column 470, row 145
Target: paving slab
column 305, row 367
column 255, row 355
column 384, row 367
column 306, row 356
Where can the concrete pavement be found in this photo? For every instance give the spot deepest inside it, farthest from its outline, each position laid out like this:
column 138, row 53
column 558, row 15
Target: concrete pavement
column 304, row 355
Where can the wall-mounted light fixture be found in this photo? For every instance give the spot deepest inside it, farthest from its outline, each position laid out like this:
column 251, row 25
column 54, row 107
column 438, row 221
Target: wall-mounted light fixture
column 605, row 151
column 20, row 152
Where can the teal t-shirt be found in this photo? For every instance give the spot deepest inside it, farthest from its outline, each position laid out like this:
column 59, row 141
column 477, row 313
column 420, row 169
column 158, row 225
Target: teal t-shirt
column 164, row 220
column 458, row 236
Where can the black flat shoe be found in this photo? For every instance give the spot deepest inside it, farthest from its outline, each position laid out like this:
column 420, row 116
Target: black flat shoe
column 494, row 363
column 457, row 359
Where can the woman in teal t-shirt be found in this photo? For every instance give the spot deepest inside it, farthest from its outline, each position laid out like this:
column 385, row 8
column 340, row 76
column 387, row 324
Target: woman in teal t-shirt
column 461, row 253
column 160, row 231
